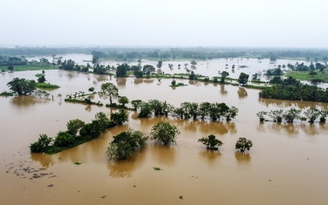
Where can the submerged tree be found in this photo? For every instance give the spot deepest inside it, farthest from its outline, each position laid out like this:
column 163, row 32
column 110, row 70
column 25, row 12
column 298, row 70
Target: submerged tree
column 164, row 133
column 291, row 114
column 211, row 142
column 312, row 114
column 243, row 145
column 21, row 86
column 125, row 145
column 261, row 115
column 243, row 78
column 109, row 90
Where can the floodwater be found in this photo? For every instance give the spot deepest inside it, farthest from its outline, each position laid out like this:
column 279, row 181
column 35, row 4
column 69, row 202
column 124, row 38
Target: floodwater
column 208, row 68
column 287, row 164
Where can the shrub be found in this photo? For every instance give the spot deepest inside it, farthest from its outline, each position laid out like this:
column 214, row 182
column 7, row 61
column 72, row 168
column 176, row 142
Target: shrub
column 243, row 145
column 125, row 145
column 64, row 139
column 41, row 145
column 164, row 133
column 91, row 89
column 211, row 142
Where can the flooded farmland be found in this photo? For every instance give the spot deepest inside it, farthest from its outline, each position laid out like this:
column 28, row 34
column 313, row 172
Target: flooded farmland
column 287, row 164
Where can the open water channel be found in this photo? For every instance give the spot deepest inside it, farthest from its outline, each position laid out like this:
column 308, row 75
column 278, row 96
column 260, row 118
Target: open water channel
column 287, row 164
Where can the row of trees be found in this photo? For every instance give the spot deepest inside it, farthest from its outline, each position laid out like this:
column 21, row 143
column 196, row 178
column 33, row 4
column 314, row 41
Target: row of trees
column 128, row 143
column 310, row 114
column 12, row 60
column 78, row 132
column 292, row 89
column 187, row 110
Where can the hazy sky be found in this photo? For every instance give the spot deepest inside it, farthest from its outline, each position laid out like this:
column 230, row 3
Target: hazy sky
column 232, row 23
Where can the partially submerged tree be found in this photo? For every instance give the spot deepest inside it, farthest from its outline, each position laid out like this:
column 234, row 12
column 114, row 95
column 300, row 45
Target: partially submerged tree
column 224, row 74
column 312, row 114
column 261, row 115
column 125, row 145
column 41, row 145
column 118, row 118
column 291, row 114
column 164, row 133
column 108, row 90
column 211, row 142
column 21, row 86
column 73, row 126
column 243, row 78
column 243, row 145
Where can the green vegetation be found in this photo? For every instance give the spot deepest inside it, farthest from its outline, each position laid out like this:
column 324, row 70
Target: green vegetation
column 157, row 168
column 46, row 86
column 6, row 94
column 70, row 138
column 292, row 89
column 291, row 114
column 211, row 142
column 31, row 67
column 243, row 145
column 21, row 86
column 108, row 90
column 164, row 133
column 125, row 145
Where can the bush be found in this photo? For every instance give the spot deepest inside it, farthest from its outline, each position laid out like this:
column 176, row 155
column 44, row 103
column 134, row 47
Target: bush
column 91, row 89
column 125, row 145
column 64, row 139
column 211, row 142
column 243, row 145
column 73, row 126
column 164, row 133
column 41, row 145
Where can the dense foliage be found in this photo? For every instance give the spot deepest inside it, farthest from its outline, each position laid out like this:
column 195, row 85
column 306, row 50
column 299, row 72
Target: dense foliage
column 292, row 89
column 291, row 114
column 211, row 142
column 125, row 145
column 243, row 144
column 21, row 86
column 77, row 133
column 164, row 133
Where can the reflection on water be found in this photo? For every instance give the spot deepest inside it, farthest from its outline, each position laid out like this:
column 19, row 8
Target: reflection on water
column 121, row 82
column 242, row 93
column 125, row 168
column 163, row 155
column 242, row 157
column 310, row 129
column 44, row 159
column 288, row 103
column 210, row 156
column 223, row 91
column 138, row 80
column 27, row 101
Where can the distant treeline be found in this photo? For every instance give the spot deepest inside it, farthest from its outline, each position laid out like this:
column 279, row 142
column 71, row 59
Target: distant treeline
column 7, row 61
column 292, row 89
column 201, row 53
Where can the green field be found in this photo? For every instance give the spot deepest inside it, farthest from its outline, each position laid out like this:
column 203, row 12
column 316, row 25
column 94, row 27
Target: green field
column 305, row 75
column 30, row 67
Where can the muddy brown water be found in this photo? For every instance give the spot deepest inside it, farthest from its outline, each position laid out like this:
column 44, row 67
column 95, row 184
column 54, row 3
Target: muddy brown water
column 287, row 165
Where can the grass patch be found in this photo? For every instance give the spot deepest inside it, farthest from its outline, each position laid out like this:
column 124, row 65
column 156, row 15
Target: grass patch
column 157, row 168
column 178, row 85
column 39, row 75
column 77, row 163
column 46, row 86
column 6, row 94
column 304, row 75
column 30, row 67
column 83, row 101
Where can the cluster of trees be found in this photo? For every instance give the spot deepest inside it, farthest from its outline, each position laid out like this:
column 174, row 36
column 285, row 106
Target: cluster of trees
column 310, row 114
column 21, row 86
column 12, row 60
column 274, row 71
column 78, row 132
column 301, row 67
column 128, row 143
column 292, row 89
column 187, row 110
